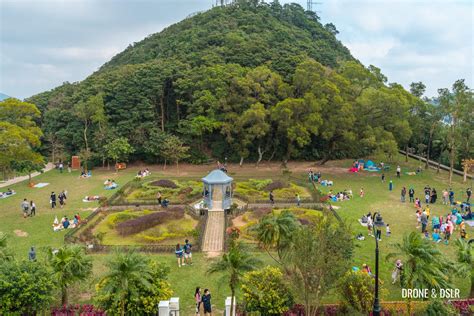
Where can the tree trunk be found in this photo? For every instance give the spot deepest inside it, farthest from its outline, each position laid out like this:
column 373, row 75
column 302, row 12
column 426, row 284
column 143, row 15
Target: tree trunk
column 241, row 161
column 439, row 165
column 325, row 159
column 272, row 155
column 29, row 177
column 64, row 297
column 260, row 155
column 108, row 165
column 164, row 165
column 406, row 153
column 177, row 166
column 232, row 304
column 162, row 106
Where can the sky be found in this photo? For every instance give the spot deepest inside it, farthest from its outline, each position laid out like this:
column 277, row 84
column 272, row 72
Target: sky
column 44, row 43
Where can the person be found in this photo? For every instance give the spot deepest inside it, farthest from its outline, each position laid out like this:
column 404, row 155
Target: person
column 399, row 170
column 311, row 175
column 69, row 167
column 32, row 208
column 403, row 194
column 366, row 269
column 390, row 185
column 272, row 198
column 436, row 224
column 25, row 207
column 468, row 194
column 369, row 224
column 158, row 197
column 434, row 196
column 361, row 193
column 32, row 254
column 387, row 229
column 188, row 256
column 448, row 231
column 65, row 222
column 451, row 196
column 165, row 203
column 427, row 211
column 417, row 203
column 298, row 199
column 427, row 197
column 383, row 177
column 62, row 198
column 378, row 234
column 197, row 299
column 445, row 196
column 52, row 200
column 411, row 194
column 396, row 274
column 61, row 167
column 206, row 302
column 418, row 218
column 179, row 254
column 424, row 221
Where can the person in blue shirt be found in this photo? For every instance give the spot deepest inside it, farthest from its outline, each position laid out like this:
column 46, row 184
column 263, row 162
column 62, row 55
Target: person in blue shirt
column 188, row 256
column 32, row 254
column 206, row 301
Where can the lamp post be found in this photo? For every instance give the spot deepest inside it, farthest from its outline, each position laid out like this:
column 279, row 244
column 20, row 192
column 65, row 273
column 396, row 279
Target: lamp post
column 379, row 223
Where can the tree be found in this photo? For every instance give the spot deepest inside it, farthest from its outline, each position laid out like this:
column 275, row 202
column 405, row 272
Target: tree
column 19, row 135
column 465, row 258
column 327, row 248
column 266, row 292
column 356, row 289
column 274, row 232
column 233, row 265
column 425, row 267
column 5, row 253
column 26, row 287
column 331, row 28
column 174, row 150
column 417, row 89
column 89, row 112
column 70, row 265
column 118, row 149
column 133, row 285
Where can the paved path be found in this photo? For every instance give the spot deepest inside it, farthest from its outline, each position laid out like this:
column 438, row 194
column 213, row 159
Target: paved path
column 48, row 167
column 214, row 234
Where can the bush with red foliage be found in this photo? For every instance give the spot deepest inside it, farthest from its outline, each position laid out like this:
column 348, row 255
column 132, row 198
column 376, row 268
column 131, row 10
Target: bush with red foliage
column 275, row 185
column 164, row 183
column 142, row 223
column 77, row 310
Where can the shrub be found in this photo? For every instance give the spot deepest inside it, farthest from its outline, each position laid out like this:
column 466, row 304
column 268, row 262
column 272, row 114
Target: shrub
column 275, row 185
column 82, row 310
column 439, row 308
column 357, row 291
column 114, row 219
column 142, row 223
column 264, row 291
column 164, row 183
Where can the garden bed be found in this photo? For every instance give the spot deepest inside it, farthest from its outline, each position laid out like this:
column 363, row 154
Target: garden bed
column 257, row 191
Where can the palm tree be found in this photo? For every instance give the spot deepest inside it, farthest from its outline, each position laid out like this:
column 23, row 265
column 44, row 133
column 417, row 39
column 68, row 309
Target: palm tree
column 128, row 272
column 467, row 262
column 234, row 264
column 70, row 264
column 424, row 265
column 275, row 231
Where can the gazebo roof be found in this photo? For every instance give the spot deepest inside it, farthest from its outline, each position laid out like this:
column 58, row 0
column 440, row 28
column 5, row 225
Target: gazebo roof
column 217, row 177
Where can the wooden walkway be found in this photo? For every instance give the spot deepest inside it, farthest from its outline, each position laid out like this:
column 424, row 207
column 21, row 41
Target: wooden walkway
column 214, row 234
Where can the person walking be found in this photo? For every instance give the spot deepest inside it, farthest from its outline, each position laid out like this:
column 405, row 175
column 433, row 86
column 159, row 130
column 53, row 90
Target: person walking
column 397, row 272
column 403, row 194
column 383, row 177
column 62, row 199
column 390, row 185
column 272, row 198
column 188, row 256
column 468, row 194
column 32, row 208
column 445, row 196
column 411, row 194
column 25, row 208
column 206, row 301
column 451, row 196
column 298, row 199
column 399, row 170
column 197, row 299
column 179, row 255
column 52, row 200
column 424, row 221
column 434, row 196
column 61, row 167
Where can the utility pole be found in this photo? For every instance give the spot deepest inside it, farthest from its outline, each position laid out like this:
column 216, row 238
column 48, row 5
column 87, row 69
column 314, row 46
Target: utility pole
column 310, row 4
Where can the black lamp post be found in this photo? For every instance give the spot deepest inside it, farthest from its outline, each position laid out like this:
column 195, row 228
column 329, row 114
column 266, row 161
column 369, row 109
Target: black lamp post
column 379, row 223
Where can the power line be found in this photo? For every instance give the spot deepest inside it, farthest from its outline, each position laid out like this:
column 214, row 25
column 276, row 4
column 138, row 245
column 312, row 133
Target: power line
column 310, row 5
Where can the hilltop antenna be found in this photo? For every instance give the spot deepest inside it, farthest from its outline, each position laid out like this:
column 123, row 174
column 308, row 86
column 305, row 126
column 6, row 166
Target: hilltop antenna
column 310, row 4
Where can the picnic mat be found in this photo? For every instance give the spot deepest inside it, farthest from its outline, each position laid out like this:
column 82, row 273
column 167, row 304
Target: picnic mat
column 5, row 196
column 363, row 224
column 40, row 185
column 470, row 223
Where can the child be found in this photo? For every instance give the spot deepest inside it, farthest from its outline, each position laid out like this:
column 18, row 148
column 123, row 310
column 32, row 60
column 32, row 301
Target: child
column 361, row 193
column 383, row 177
column 388, row 230
column 418, row 218
column 390, row 185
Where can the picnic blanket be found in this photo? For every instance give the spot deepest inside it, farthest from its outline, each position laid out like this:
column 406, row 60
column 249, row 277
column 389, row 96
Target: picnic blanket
column 470, row 223
column 411, row 173
column 4, row 196
column 111, row 187
column 40, row 185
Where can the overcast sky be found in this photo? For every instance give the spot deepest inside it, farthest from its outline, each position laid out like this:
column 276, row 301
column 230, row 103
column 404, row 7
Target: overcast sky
column 46, row 42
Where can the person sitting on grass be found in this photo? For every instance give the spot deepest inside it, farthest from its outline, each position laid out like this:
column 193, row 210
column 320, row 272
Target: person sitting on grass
column 179, row 255
column 366, row 269
column 436, row 237
column 66, row 222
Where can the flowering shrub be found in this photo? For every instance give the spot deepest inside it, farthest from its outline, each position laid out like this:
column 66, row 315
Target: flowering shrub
column 164, row 183
column 80, row 310
column 233, row 232
column 142, row 223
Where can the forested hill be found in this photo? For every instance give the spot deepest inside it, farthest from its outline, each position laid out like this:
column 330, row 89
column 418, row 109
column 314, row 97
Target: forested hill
column 243, row 34
column 246, row 81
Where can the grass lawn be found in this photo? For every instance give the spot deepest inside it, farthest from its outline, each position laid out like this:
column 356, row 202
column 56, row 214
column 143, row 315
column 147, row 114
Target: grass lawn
column 400, row 216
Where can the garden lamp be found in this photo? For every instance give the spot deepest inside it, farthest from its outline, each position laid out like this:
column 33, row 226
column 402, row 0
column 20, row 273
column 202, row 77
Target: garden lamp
column 379, row 223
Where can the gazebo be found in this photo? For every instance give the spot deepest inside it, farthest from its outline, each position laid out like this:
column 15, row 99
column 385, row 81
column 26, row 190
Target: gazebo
column 217, row 190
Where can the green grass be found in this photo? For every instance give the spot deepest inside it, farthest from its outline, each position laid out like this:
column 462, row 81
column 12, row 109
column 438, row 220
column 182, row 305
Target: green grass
column 400, row 216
